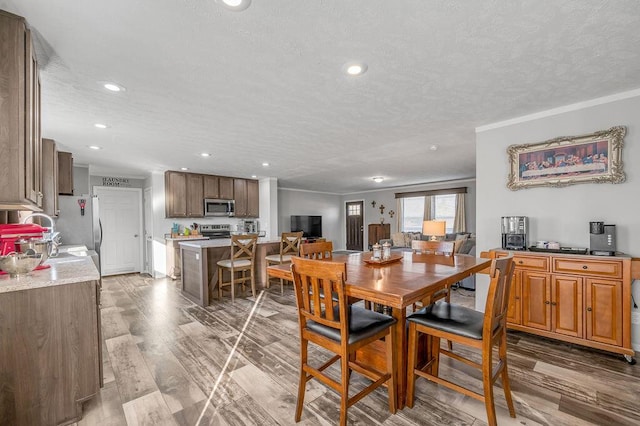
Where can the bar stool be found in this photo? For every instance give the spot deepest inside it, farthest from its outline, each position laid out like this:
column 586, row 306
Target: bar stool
column 289, row 247
column 243, row 254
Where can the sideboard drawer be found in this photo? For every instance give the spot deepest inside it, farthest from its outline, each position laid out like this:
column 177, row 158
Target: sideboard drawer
column 611, row 269
column 531, row 262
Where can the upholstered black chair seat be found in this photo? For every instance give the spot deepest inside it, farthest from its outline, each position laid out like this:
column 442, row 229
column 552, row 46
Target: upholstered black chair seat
column 363, row 323
column 450, row 318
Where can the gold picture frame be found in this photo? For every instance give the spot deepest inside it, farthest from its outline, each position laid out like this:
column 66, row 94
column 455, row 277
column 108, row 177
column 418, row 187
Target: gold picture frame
column 568, row 160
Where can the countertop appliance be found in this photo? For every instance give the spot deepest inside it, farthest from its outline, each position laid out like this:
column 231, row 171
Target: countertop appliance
column 215, row 230
column 603, row 239
column 10, row 234
column 217, row 207
column 249, row 226
column 514, row 232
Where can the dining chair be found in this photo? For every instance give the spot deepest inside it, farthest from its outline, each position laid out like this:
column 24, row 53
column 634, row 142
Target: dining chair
column 319, row 251
column 243, row 254
column 340, row 328
column 470, row 328
column 289, row 247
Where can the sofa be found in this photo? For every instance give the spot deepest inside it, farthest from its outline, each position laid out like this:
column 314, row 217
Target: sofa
column 465, row 243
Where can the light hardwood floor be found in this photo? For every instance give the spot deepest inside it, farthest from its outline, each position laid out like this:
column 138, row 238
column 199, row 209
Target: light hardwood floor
column 163, row 357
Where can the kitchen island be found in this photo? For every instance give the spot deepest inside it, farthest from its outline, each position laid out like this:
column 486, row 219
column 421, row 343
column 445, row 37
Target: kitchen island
column 49, row 342
column 200, row 270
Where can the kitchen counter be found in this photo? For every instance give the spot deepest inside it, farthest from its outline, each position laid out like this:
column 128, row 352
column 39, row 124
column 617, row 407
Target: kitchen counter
column 222, row 242
column 186, row 238
column 64, row 270
column 200, row 270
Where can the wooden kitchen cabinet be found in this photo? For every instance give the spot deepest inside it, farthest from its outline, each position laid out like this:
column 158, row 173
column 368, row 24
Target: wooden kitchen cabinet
column 49, row 177
column 211, row 186
column 65, row 173
column 253, row 198
column 246, row 196
column 580, row 299
column 378, row 231
column 175, row 191
column 195, row 196
column 20, row 144
column 50, row 353
column 218, row 187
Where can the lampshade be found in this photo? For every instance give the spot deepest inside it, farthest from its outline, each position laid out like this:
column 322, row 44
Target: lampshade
column 434, row 228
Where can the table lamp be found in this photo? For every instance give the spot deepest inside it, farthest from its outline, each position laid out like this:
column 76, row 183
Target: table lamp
column 434, row 228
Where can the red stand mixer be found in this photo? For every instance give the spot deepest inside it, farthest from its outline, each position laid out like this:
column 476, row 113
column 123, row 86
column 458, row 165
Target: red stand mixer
column 11, row 234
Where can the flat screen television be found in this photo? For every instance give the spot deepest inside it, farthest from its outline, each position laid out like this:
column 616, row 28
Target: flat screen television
column 311, row 226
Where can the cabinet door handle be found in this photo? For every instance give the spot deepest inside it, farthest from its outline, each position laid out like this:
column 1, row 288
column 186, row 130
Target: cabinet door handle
column 520, row 262
column 547, row 302
column 589, row 309
column 517, row 297
column 584, row 267
column 553, row 303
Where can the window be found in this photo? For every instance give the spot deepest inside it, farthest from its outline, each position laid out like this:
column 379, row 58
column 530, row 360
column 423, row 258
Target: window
column 354, row 209
column 443, row 207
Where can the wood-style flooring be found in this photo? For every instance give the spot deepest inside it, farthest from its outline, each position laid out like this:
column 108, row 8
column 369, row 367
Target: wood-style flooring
column 167, row 362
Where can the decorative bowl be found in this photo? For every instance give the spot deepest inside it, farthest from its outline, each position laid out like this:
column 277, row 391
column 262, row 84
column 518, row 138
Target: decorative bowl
column 20, row 263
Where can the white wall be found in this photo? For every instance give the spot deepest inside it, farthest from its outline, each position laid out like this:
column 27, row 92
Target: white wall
column 295, row 202
column 387, row 198
column 559, row 214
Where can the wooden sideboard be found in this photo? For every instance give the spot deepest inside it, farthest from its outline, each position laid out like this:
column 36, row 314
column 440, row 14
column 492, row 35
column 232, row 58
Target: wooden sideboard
column 378, row 231
column 579, row 299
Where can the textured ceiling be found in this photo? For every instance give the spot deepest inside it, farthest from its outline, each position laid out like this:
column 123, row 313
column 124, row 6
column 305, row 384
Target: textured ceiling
column 267, row 84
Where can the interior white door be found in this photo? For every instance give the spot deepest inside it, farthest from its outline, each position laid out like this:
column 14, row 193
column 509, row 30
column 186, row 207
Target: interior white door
column 121, row 217
column 148, row 233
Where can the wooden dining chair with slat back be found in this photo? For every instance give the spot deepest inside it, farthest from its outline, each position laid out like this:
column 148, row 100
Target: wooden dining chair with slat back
column 289, row 247
column 318, row 251
column 467, row 327
column 243, row 254
column 436, row 252
column 341, row 329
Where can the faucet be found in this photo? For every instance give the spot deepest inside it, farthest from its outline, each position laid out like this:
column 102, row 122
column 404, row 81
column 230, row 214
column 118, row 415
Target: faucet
column 52, row 235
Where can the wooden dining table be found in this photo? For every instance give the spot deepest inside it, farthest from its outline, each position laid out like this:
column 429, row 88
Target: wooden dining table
column 409, row 279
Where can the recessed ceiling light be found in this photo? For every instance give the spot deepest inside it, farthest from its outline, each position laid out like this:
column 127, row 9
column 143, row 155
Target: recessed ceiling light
column 253, row 176
column 113, row 87
column 184, row 169
column 205, row 154
column 433, row 147
column 356, row 68
column 96, row 147
column 235, row 5
column 265, row 164
column 378, row 179
column 101, row 126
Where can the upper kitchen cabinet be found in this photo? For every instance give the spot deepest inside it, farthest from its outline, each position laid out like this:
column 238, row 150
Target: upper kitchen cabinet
column 218, row 187
column 49, row 177
column 183, row 194
column 65, row 173
column 195, row 197
column 245, row 194
column 20, row 143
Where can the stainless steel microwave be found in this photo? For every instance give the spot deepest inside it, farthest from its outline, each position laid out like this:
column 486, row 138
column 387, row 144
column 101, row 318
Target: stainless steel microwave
column 214, row 207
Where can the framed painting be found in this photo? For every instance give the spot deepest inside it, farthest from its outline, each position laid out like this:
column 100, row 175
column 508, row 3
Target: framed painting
column 567, row 160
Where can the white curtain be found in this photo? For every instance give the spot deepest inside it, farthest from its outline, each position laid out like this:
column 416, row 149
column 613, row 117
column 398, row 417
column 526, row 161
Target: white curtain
column 428, row 201
column 458, row 221
column 399, row 214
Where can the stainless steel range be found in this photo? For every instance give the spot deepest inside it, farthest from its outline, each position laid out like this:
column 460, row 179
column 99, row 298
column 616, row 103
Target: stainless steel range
column 215, row 231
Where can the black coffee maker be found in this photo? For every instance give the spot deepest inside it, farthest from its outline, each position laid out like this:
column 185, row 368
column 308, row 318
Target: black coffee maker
column 603, row 239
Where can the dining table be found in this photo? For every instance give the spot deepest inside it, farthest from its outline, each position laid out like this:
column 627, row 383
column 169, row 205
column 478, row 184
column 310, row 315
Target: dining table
column 398, row 283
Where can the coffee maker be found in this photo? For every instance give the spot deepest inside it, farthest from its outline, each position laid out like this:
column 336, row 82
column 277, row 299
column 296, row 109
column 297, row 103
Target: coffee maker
column 250, row 226
column 514, row 232
column 603, row 239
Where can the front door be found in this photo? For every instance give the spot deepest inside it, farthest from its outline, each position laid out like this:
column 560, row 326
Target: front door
column 121, row 217
column 355, row 229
